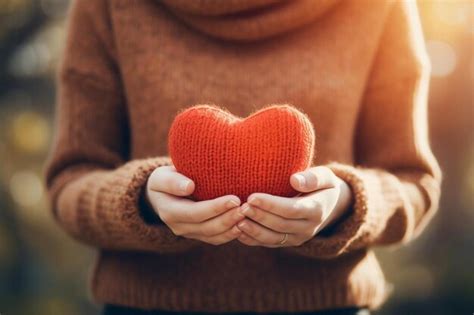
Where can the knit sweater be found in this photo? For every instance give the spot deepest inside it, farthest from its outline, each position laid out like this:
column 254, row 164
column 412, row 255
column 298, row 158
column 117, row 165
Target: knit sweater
column 357, row 68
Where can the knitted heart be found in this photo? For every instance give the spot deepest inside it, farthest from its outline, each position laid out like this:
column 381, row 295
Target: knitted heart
column 224, row 154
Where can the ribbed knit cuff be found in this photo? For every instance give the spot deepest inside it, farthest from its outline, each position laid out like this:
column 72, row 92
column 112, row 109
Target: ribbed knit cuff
column 107, row 214
column 355, row 227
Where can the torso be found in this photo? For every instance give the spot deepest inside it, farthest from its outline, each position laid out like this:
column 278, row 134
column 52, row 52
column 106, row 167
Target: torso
column 167, row 66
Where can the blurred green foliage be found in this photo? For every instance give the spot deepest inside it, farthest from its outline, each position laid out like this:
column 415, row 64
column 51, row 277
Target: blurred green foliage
column 43, row 271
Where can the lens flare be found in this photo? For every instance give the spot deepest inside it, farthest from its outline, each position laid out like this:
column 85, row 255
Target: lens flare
column 443, row 58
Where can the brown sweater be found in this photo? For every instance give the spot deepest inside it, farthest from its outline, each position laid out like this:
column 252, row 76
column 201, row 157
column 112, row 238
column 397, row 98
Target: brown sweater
column 357, row 68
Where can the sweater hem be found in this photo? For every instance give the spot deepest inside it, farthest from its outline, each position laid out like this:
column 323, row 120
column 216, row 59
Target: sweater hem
column 299, row 300
column 242, row 299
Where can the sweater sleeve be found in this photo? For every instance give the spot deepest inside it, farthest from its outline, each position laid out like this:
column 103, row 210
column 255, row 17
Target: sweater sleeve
column 395, row 180
column 94, row 189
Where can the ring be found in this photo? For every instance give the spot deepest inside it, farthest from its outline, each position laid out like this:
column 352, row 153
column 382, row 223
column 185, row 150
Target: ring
column 284, row 239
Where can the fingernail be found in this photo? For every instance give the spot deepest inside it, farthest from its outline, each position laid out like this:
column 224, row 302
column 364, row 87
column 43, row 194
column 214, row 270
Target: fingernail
column 246, row 210
column 239, row 216
column 232, row 203
column 236, row 231
column 254, row 201
column 184, row 184
column 242, row 225
column 300, row 179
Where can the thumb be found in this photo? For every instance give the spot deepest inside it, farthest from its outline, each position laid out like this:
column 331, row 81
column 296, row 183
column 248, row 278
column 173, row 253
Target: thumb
column 166, row 179
column 312, row 179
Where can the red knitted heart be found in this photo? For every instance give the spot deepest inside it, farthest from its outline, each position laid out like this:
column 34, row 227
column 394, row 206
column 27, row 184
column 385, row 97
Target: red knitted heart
column 224, row 154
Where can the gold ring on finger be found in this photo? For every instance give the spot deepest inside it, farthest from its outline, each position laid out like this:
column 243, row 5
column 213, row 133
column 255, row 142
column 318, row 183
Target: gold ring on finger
column 284, row 239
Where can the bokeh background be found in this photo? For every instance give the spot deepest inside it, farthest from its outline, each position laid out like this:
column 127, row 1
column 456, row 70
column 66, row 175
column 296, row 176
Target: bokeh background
column 43, row 271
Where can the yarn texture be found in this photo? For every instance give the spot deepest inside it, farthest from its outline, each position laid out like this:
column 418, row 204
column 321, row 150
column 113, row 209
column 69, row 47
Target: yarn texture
column 224, row 154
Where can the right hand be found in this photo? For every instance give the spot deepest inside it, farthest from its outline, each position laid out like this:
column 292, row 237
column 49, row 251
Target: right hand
column 211, row 221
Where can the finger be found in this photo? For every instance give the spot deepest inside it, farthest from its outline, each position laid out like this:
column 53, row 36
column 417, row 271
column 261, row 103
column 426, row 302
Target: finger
column 249, row 241
column 214, row 226
column 290, row 208
column 166, row 179
column 261, row 233
column 220, row 239
column 312, row 179
column 273, row 221
column 187, row 211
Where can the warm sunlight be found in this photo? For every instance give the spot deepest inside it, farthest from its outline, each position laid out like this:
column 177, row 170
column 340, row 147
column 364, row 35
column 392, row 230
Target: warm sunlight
column 43, row 270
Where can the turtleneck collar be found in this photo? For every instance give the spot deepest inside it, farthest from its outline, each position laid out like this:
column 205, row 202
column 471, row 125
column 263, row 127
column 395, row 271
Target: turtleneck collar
column 248, row 20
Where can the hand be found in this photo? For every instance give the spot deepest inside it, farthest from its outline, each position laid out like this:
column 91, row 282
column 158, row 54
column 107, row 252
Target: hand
column 210, row 221
column 274, row 221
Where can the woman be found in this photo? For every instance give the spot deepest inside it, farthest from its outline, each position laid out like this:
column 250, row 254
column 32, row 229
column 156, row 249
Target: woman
column 358, row 69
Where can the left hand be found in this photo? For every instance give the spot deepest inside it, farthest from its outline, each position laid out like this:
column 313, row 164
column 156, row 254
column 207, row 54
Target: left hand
column 274, row 221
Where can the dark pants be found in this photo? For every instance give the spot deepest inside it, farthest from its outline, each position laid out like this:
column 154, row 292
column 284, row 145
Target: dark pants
column 118, row 310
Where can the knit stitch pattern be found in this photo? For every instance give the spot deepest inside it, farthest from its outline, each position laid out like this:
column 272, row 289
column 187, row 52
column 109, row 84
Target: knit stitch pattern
column 224, row 154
